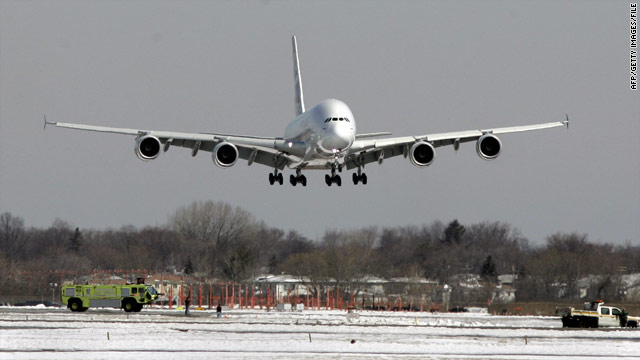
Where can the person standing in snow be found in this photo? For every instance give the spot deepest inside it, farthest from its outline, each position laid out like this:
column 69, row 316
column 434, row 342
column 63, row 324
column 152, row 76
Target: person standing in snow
column 219, row 311
column 187, row 302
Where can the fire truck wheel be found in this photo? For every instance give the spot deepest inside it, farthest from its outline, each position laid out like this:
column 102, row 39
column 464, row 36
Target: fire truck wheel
column 128, row 305
column 75, row 305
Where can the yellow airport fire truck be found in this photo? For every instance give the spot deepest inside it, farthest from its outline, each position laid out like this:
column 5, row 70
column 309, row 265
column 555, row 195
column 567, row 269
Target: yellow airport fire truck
column 130, row 297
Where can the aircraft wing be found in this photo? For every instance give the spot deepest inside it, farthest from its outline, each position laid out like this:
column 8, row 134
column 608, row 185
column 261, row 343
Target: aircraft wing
column 254, row 149
column 366, row 151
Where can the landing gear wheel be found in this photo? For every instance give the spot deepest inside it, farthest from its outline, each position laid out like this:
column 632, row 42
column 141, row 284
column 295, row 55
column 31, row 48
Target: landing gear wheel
column 333, row 179
column 359, row 177
column 298, row 178
column 275, row 177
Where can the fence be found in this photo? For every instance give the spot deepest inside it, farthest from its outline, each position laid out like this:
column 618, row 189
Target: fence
column 261, row 296
column 44, row 287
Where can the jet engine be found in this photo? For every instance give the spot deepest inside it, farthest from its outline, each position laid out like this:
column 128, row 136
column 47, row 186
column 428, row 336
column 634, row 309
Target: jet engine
column 147, row 147
column 488, row 147
column 422, row 154
column 225, row 154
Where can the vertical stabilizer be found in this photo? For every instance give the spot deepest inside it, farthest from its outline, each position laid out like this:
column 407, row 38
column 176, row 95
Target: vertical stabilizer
column 297, row 79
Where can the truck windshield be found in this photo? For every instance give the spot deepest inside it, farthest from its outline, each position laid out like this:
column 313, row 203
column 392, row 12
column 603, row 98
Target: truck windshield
column 151, row 290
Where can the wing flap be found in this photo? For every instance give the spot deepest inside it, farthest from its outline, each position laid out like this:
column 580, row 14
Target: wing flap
column 375, row 154
column 475, row 134
column 267, row 157
column 98, row 128
column 370, row 135
column 514, row 129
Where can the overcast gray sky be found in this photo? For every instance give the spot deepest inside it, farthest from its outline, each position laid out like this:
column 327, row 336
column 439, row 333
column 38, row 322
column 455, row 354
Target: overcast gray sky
column 409, row 67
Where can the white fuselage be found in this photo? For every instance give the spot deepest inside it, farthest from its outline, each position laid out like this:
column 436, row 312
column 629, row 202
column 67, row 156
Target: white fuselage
column 328, row 130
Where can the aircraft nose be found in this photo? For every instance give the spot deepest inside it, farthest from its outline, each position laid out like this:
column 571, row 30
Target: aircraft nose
column 345, row 135
column 338, row 138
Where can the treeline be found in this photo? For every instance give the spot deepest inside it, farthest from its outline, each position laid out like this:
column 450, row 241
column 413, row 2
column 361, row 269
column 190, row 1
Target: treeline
column 216, row 240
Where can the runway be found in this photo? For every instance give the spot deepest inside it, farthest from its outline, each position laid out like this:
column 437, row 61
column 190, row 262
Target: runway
column 41, row 333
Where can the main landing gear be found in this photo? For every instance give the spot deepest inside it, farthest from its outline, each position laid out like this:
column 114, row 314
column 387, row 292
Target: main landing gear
column 276, row 177
column 359, row 177
column 298, row 178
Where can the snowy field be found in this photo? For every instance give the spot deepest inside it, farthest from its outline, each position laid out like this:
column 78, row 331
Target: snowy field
column 46, row 333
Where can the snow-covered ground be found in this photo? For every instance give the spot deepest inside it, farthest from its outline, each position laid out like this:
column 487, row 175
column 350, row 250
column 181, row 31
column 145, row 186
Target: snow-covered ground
column 45, row 333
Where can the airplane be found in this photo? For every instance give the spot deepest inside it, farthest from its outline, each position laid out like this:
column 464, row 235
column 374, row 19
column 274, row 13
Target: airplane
column 320, row 138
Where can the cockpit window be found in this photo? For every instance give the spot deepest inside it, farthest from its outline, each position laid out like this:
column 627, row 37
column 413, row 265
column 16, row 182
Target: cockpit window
column 337, row 119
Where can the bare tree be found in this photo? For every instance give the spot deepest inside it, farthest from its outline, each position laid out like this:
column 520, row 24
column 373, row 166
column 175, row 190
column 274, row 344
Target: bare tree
column 401, row 249
column 209, row 229
column 12, row 236
column 350, row 254
column 161, row 245
column 574, row 250
column 343, row 258
column 7, row 280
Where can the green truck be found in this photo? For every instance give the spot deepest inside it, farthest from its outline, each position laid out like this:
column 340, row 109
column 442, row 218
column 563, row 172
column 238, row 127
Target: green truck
column 130, row 297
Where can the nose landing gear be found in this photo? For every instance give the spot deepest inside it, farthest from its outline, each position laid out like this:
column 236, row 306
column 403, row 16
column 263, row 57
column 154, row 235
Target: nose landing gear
column 333, row 179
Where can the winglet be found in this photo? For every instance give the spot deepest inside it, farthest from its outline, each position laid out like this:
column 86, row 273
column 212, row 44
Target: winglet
column 297, row 78
column 47, row 123
column 566, row 122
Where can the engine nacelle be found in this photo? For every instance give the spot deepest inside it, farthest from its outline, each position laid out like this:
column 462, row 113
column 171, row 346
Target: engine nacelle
column 488, row 147
column 147, row 147
column 225, row 154
column 422, row 154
